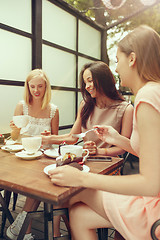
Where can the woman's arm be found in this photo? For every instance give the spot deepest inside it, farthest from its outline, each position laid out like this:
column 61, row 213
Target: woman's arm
column 110, row 135
column 55, row 123
column 146, row 183
column 68, row 138
column 15, row 132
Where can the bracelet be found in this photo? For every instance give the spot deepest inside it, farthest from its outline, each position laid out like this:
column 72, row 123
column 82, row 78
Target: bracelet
column 106, row 151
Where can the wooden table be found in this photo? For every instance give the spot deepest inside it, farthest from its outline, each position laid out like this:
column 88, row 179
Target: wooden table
column 27, row 177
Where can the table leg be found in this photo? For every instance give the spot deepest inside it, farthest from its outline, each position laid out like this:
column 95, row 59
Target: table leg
column 48, row 221
column 49, row 213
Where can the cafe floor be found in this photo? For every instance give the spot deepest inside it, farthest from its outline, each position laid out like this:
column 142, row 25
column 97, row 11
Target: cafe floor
column 37, row 224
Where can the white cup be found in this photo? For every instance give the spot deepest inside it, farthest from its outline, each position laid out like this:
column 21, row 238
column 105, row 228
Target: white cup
column 21, row 120
column 31, row 144
column 74, row 149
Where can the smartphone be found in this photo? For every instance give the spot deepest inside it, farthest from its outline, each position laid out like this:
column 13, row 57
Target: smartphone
column 99, row 159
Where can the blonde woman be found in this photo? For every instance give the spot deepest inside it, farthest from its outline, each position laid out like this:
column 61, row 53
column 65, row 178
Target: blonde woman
column 130, row 203
column 43, row 116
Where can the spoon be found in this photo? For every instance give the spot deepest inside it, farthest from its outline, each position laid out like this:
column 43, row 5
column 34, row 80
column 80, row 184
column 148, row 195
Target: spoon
column 82, row 135
column 78, row 142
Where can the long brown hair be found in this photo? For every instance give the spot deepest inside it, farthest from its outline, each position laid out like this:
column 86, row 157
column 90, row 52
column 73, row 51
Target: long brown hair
column 104, row 82
column 145, row 43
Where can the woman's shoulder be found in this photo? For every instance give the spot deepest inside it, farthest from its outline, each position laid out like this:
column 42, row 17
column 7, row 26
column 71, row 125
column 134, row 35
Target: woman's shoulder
column 21, row 103
column 124, row 108
column 149, row 92
column 19, row 107
column 53, row 110
column 53, row 106
column 123, row 105
column 81, row 105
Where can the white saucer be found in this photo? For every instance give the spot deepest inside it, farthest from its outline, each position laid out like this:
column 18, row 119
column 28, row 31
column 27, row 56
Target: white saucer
column 53, row 153
column 11, row 142
column 12, row 148
column 53, row 166
column 26, row 156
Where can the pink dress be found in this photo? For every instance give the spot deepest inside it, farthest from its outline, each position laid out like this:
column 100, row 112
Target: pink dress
column 133, row 216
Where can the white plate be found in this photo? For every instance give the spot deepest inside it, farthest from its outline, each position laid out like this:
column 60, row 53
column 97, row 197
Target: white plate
column 26, row 156
column 53, row 166
column 52, row 152
column 12, row 148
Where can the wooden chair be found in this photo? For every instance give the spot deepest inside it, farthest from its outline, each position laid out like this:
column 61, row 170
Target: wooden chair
column 103, row 234
column 4, row 202
column 118, row 236
column 15, row 196
column 130, row 158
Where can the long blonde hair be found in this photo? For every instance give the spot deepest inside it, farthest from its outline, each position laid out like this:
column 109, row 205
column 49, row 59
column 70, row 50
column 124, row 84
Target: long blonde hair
column 145, row 43
column 27, row 95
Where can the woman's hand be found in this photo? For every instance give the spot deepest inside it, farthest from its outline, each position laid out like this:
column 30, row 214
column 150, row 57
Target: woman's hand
column 13, row 126
column 15, row 131
column 45, row 140
column 91, row 146
column 46, row 133
column 107, row 134
column 66, row 176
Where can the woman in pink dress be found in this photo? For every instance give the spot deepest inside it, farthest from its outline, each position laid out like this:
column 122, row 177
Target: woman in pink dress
column 130, row 203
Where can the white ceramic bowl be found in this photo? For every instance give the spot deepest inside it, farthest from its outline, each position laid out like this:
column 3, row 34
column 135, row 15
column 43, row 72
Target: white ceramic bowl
column 31, row 144
column 21, row 120
column 77, row 150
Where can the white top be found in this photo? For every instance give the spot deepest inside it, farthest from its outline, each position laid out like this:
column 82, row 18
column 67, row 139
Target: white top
column 38, row 125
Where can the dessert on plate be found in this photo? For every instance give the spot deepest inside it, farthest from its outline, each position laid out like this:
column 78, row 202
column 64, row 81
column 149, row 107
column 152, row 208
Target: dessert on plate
column 71, row 160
